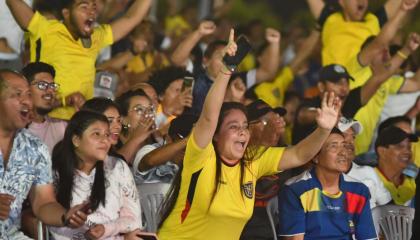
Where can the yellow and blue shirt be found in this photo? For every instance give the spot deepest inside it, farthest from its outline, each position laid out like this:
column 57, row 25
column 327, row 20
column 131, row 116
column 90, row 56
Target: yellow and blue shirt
column 306, row 209
column 197, row 215
column 402, row 194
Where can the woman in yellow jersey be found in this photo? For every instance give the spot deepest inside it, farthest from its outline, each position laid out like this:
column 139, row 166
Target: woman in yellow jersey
column 214, row 195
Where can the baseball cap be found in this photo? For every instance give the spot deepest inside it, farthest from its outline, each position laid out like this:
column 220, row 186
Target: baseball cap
column 393, row 135
column 345, row 123
column 259, row 108
column 333, row 73
column 182, row 125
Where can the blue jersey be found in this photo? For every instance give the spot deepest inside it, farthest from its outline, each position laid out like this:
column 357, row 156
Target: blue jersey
column 306, row 209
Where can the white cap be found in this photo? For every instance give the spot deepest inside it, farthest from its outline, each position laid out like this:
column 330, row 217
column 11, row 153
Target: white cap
column 345, row 123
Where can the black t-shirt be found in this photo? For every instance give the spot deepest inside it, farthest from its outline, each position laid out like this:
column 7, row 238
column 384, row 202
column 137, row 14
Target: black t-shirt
column 350, row 107
column 416, row 223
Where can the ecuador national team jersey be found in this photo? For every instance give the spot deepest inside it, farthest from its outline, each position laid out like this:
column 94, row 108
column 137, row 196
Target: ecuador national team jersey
column 402, row 194
column 343, row 39
column 273, row 92
column 52, row 43
column 197, row 215
column 304, row 208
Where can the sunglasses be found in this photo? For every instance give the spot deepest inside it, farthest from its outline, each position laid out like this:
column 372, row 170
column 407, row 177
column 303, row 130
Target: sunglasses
column 42, row 85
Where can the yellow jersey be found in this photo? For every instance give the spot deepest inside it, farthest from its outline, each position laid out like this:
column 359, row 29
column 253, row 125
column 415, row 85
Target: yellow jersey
column 342, row 39
column 139, row 64
column 195, row 216
column 52, row 43
column 273, row 92
column 402, row 194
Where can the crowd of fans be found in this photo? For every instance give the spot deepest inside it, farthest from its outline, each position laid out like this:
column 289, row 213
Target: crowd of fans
column 103, row 103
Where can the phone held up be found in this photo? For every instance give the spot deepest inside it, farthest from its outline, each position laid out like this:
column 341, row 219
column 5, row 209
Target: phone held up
column 188, row 83
column 243, row 49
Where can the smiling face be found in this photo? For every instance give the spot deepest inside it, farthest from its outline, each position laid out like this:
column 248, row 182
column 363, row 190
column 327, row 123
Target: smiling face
column 233, row 136
column 333, row 155
column 115, row 126
column 80, row 18
column 15, row 102
column 397, row 156
column 43, row 99
column 94, row 143
column 354, row 10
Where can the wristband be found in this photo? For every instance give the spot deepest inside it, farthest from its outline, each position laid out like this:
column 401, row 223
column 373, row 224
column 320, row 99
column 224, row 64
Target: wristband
column 402, row 55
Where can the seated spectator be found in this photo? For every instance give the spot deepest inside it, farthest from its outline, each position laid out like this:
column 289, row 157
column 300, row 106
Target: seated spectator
column 215, row 196
column 173, row 98
column 324, row 203
column 85, row 174
column 393, row 148
column 138, row 121
column 25, row 165
column 40, row 77
column 379, row 195
column 156, row 163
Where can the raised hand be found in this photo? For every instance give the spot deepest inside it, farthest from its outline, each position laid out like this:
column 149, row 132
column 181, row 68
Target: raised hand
column 328, row 113
column 408, row 5
column 75, row 100
column 272, row 35
column 5, row 202
column 231, row 47
column 413, row 42
column 206, row 28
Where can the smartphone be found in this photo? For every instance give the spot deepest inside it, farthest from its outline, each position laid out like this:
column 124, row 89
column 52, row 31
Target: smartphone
column 188, row 82
column 147, row 236
column 86, row 208
column 243, row 49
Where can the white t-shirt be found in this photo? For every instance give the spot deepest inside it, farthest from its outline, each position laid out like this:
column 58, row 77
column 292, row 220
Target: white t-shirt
column 379, row 195
column 121, row 213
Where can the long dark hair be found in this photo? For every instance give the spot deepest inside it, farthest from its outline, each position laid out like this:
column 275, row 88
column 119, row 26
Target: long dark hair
column 172, row 195
column 65, row 161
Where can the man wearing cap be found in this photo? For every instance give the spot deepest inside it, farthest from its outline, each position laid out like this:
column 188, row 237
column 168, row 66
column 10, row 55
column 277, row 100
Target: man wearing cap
column 379, row 195
column 335, row 78
column 393, row 147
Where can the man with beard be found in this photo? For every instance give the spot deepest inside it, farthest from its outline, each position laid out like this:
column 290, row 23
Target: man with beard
column 25, row 165
column 40, row 77
column 71, row 46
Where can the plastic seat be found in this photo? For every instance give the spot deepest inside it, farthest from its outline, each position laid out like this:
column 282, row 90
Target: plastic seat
column 272, row 212
column 151, row 197
column 393, row 222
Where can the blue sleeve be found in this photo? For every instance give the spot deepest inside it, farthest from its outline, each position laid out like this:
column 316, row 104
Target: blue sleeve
column 364, row 227
column 43, row 167
column 291, row 213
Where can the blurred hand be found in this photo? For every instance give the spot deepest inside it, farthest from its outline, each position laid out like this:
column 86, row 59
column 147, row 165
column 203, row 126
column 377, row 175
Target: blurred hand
column 413, row 42
column 95, row 232
column 408, row 5
column 75, row 217
column 328, row 113
column 181, row 101
column 6, row 201
column 75, row 100
column 206, row 28
column 238, row 89
column 132, row 235
column 4, row 46
column 272, row 35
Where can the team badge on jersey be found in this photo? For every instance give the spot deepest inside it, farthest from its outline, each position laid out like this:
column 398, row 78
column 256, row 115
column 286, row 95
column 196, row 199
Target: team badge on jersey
column 248, row 189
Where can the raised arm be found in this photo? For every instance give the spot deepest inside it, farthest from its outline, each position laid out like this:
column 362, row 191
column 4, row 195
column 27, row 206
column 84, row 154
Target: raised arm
column 206, row 125
column 270, row 58
column 391, row 7
column 382, row 72
column 316, row 7
column 305, row 51
column 305, row 150
column 182, row 52
column 21, row 12
column 122, row 26
column 162, row 155
column 411, row 45
column 387, row 33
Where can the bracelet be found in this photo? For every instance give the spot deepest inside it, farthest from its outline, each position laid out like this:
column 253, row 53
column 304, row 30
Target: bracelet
column 402, row 55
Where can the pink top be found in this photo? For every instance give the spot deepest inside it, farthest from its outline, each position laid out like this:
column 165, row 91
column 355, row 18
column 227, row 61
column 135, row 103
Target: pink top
column 121, row 213
column 51, row 131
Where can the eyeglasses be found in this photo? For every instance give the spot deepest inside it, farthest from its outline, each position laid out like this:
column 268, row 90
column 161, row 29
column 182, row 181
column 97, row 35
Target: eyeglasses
column 144, row 111
column 42, row 85
column 236, row 128
column 336, row 147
